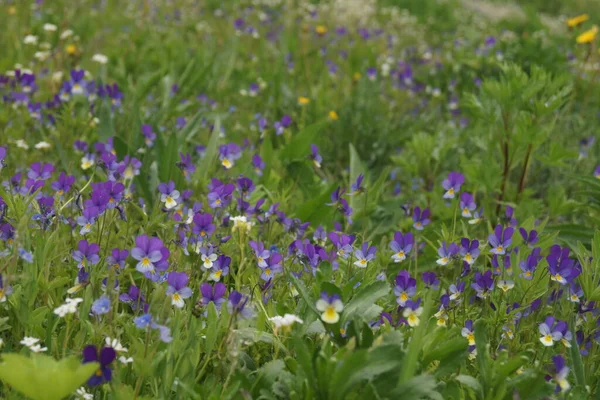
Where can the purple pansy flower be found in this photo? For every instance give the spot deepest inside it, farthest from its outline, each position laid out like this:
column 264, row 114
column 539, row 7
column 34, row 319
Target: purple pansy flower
column 238, row 305
column 528, row 266
column 562, row 268
column 447, row 253
column 117, row 258
column 168, row 194
column 178, row 289
column 39, row 171
column 484, row 283
column 501, row 239
column 86, row 254
column 215, row 294
column 104, row 358
column 469, row 250
column 401, row 245
column 343, row 244
column 315, row 156
column 406, row 287
column 148, row 252
column 365, row 254
column 467, row 204
column 452, row 184
column 421, row 218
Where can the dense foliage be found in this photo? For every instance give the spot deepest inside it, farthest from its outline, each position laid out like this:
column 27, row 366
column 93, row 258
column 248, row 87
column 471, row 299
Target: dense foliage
column 286, row 200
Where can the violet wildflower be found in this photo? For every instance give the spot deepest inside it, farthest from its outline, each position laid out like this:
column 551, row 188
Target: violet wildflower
column 178, row 289
column 228, row 153
column 483, row 284
column 529, row 239
column 215, row 294
column 261, row 254
column 575, row 292
column 258, row 165
column 220, row 195
column 168, row 195
column 467, row 204
column 63, row 184
column 148, row 252
column 130, row 167
column 330, row 306
column 105, row 357
column 220, row 268
column 203, row 226
column 320, row 236
column 2, row 156
column 421, row 218
column 401, row 245
column 39, row 171
column 86, row 254
column 87, row 220
column 149, row 135
column 272, row 267
column 560, row 372
column 501, row 239
column 468, row 332
column 135, row 298
column 456, row 290
column 81, row 281
column 452, row 184
column 562, row 268
column 4, row 290
column 528, row 266
column 584, row 343
column 343, row 244
column 315, row 156
column 412, row 312
column 238, row 305
column 406, row 287
column 551, row 331
column 431, row 280
column 447, row 253
column 357, row 187
column 246, row 186
column 365, row 254
column 186, row 166
column 469, row 250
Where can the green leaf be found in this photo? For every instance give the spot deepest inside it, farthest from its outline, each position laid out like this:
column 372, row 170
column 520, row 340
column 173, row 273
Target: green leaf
column 106, row 128
column 471, row 383
column 365, row 298
column 483, row 357
column 212, row 330
column 43, row 378
column 356, row 168
column 310, row 302
column 299, row 147
column 210, row 157
column 576, row 362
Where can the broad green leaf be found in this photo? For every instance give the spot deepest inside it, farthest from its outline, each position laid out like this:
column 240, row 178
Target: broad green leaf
column 365, row 298
column 43, row 378
column 299, row 147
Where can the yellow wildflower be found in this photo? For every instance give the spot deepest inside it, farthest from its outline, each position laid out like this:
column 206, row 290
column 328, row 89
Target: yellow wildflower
column 333, row 115
column 588, row 36
column 303, row 100
column 356, row 77
column 573, row 22
column 321, row 29
column 71, row 49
